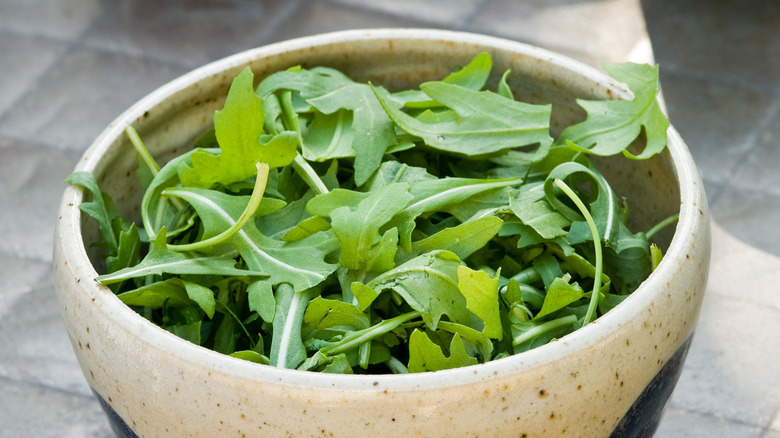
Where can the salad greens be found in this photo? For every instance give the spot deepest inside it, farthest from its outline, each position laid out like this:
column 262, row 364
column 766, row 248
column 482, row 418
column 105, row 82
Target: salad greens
column 335, row 226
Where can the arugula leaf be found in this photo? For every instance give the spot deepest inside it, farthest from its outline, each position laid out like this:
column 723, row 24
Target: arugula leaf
column 99, row 208
column 540, row 216
column 476, row 343
column 329, row 136
column 612, row 125
column 239, row 128
column 560, row 294
column 372, row 130
column 604, row 206
column 160, row 260
column 463, row 240
column 429, row 284
column 481, row 294
column 478, row 123
column 287, row 349
column 424, row 355
column 440, row 194
column 362, row 245
column 332, row 316
column 472, row 76
column 281, row 261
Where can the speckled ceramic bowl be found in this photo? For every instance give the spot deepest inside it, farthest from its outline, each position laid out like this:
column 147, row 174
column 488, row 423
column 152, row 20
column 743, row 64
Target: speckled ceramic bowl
column 612, row 377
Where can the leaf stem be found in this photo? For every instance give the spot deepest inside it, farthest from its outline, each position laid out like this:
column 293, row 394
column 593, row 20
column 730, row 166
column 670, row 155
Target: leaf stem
column 301, row 166
column 594, row 298
column 251, row 207
column 396, row 366
column 143, row 152
column 308, row 174
column 355, row 339
column 661, row 225
column 544, row 327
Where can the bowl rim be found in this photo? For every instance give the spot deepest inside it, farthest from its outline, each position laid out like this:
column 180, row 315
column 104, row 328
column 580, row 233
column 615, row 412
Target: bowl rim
column 70, row 240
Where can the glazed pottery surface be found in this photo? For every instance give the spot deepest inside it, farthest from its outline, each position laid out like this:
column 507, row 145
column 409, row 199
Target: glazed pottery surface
column 612, row 377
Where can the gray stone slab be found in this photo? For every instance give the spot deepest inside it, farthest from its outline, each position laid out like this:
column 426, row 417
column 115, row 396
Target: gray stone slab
column 719, row 122
column 733, row 41
column 758, row 171
column 750, row 214
column 451, row 13
column 742, row 272
column 28, row 410
column 61, row 19
column 774, row 428
column 593, row 32
column 35, row 346
column 78, row 98
column 32, row 180
column 730, row 371
column 19, row 276
column 316, row 17
column 188, row 33
column 678, row 423
column 24, row 60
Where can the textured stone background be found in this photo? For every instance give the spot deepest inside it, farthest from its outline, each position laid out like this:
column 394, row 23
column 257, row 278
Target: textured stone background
column 68, row 67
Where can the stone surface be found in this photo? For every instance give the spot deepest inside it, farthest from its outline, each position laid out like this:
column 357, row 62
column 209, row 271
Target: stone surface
column 72, row 66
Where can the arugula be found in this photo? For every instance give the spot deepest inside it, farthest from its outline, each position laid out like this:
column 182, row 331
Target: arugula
column 612, row 125
column 334, row 226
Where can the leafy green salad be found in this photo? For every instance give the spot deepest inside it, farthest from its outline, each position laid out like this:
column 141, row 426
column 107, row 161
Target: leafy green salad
column 330, row 225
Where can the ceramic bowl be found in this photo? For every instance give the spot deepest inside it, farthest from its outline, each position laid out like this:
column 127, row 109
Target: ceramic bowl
column 612, row 377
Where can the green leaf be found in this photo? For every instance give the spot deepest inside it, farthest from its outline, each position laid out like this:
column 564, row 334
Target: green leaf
column 548, row 267
column 612, row 125
column 329, row 136
column 540, row 216
column 560, row 294
column 129, row 249
column 603, row 205
column 160, row 260
column 473, row 76
column 308, row 82
column 440, row 195
column 169, row 292
column 97, row 208
column 526, row 235
column 260, row 297
column 306, row 228
column 392, row 171
column 503, row 88
column 373, row 130
column 477, row 343
column 425, row 355
column 481, row 294
column 203, row 296
column 479, row 123
column 239, row 130
column 324, row 204
column 531, row 334
column 189, row 332
column 287, row 349
column 300, row 263
column 365, row 295
column 362, row 245
column 463, row 240
column 324, row 314
column 628, row 261
column 429, row 284
column 251, row 356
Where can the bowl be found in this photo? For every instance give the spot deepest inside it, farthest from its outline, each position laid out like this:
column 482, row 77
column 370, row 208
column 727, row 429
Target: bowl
column 613, row 377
